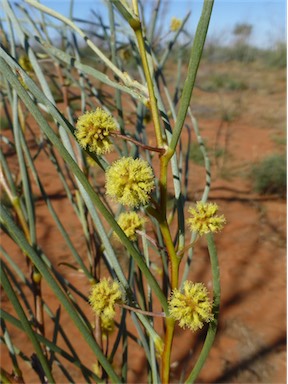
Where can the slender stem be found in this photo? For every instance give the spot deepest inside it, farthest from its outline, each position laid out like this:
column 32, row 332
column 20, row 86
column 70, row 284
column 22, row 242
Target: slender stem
column 136, row 25
column 182, row 251
column 166, row 356
column 16, row 205
column 118, row 99
column 163, row 184
column 133, row 309
column 99, row 340
column 152, row 241
column 17, row 373
column 195, row 56
column 62, row 84
column 148, row 147
column 174, row 264
column 216, row 305
column 135, row 7
column 174, row 269
column 173, row 258
column 25, row 323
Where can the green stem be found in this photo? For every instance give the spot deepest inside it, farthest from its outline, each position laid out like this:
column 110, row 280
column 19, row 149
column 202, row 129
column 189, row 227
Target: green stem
column 195, row 56
column 216, row 305
column 174, row 266
column 173, row 258
column 196, row 53
column 136, row 26
column 166, row 356
column 17, row 373
column 174, row 273
column 27, row 327
column 118, row 99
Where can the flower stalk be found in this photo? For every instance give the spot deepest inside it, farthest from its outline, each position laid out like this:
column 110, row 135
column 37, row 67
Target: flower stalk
column 161, row 151
column 148, row 313
column 136, row 26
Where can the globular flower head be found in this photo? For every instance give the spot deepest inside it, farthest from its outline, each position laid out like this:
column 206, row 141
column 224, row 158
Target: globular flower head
column 204, row 218
column 130, row 181
column 25, row 63
column 107, row 326
column 175, row 24
column 159, row 346
column 93, row 130
column 22, row 81
column 103, row 297
column 91, row 162
column 191, row 307
column 130, row 222
column 96, row 368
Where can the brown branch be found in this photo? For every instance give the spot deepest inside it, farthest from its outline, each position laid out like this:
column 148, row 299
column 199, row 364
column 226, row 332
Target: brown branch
column 153, row 314
column 148, row 147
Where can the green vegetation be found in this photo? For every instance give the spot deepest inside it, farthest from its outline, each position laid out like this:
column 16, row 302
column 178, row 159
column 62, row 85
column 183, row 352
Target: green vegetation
column 225, row 82
column 271, row 58
column 269, row 176
column 196, row 155
column 280, row 140
column 4, row 123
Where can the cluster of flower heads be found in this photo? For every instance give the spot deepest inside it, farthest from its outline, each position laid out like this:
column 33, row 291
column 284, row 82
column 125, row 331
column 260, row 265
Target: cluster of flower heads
column 103, row 298
column 128, row 181
column 204, row 218
column 191, row 307
column 93, row 130
column 130, row 223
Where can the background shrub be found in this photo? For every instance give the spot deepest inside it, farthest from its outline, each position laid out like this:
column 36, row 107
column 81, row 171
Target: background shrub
column 269, row 176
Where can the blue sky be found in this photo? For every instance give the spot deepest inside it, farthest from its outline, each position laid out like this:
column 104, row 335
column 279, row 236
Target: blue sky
column 267, row 17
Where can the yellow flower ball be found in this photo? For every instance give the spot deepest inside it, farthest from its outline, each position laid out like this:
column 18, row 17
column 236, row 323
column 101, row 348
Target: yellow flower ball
column 103, row 297
column 107, row 326
column 93, row 130
column 25, row 63
column 130, row 181
column 175, row 24
column 130, row 222
column 159, row 346
column 91, row 162
column 192, row 307
column 204, row 219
